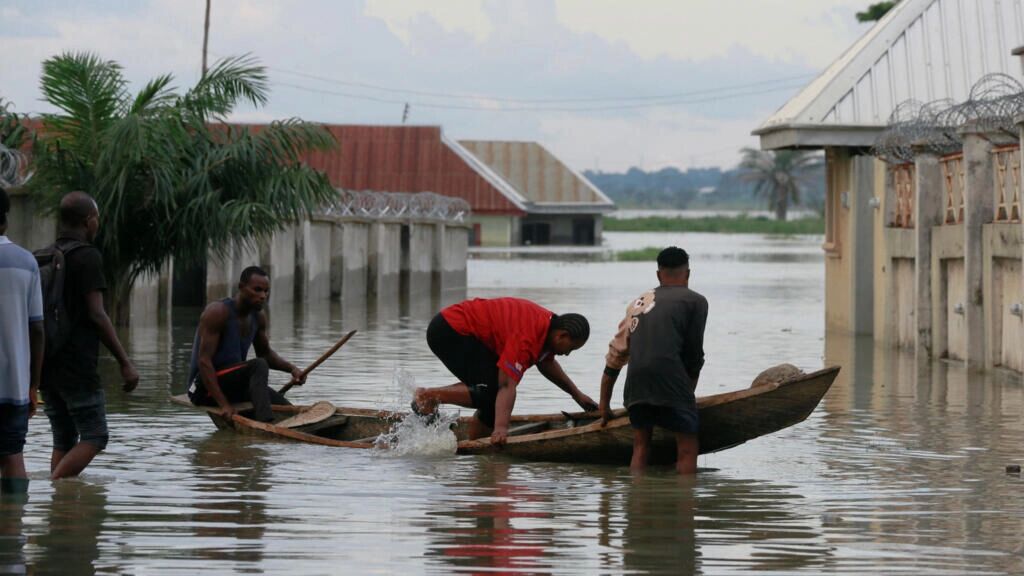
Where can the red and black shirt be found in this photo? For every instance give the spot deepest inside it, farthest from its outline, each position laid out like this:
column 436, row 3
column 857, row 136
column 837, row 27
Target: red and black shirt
column 514, row 329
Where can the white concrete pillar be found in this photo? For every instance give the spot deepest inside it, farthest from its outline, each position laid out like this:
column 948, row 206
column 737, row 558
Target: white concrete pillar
column 279, row 263
column 417, row 259
column 350, row 244
column 928, row 196
column 978, row 211
column 25, row 227
column 385, row 256
column 451, row 251
column 313, row 260
column 862, row 249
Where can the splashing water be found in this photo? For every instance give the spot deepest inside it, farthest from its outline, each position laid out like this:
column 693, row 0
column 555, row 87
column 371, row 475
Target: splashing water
column 413, row 435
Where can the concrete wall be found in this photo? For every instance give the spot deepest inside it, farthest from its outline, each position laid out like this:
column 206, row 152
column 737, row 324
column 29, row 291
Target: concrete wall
column 949, row 292
column 497, row 230
column 850, row 242
column 313, row 260
column 385, row 260
column 222, row 274
column 350, row 254
column 417, row 275
column 151, row 296
column 1004, row 342
column 450, row 255
column 24, row 227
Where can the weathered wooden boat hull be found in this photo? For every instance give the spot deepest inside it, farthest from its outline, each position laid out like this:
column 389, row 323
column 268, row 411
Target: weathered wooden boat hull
column 726, row 420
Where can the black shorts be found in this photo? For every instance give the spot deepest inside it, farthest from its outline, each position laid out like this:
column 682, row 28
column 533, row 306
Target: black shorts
column 77, row 414
column 683, row 420
column 13, row 428
column 469, row 360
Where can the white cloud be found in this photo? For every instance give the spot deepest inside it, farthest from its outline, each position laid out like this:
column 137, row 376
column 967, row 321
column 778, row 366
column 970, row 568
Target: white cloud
column 466, row 16
column 655, row 140
column 807, row 31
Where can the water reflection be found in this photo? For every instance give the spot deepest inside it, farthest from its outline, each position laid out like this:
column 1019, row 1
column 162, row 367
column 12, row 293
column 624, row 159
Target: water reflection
column 501, row 527
column 917, row 449
column 12, row 536
column 230, row 514
column 659, row 524
column 74, row 520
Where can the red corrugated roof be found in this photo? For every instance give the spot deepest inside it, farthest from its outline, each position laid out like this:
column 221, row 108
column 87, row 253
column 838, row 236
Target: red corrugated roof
column 401, row 159
column 406, row 159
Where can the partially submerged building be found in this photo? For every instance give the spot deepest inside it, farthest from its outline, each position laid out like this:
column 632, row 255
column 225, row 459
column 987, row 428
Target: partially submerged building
column 561, row 206
column 519, row 193
column 923, row 217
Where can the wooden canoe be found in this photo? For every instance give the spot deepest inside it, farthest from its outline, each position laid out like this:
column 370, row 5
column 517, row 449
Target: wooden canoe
column 726, row 420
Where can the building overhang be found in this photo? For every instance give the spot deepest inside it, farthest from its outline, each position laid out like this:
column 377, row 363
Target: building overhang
column 569, row 208
column 815, row 136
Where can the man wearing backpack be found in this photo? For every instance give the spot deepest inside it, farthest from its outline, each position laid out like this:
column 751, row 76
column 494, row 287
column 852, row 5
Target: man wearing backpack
column 76, row 322
column 21, row 353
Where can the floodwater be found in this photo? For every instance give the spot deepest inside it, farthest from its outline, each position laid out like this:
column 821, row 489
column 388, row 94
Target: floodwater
column 900, row 470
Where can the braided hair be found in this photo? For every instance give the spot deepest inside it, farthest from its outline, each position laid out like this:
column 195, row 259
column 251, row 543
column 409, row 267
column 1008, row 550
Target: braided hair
column 575, row 325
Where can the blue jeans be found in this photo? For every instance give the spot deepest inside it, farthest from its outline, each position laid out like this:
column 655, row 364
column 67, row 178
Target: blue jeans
column 77, row 415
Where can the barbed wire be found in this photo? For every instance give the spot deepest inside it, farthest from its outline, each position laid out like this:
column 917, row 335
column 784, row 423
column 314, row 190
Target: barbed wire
column 411, row 205
column 992, row 107
column 13, row 168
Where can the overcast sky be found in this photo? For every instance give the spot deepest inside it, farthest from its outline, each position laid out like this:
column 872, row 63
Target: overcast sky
column 482, row 69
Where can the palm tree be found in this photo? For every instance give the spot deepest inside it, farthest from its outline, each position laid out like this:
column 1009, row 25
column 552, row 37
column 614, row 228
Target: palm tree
column 170, row 177
column 778, row 175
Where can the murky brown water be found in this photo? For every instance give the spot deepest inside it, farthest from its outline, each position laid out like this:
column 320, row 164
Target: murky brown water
column 901, row 469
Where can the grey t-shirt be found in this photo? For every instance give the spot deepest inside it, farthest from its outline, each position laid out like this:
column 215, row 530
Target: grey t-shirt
column 662, row 340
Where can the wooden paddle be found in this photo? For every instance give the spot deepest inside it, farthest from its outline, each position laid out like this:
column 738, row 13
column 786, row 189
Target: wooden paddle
column 284, row 389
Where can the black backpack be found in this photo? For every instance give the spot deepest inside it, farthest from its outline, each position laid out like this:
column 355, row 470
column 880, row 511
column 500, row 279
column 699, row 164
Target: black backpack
column 52, row 275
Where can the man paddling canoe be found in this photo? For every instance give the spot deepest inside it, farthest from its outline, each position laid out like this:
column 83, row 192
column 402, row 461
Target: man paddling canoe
column 488, row 345
column 219, row 374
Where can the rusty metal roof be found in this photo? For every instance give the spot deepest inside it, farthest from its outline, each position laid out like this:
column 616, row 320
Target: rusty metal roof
column 546, row 182
column 412, row 159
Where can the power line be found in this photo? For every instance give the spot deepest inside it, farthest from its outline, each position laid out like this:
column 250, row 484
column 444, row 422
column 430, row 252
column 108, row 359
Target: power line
column 475, row 96
column 510, row 99
column 667, row 102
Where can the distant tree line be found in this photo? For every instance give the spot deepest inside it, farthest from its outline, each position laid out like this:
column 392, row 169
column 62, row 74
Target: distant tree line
column 703, row 189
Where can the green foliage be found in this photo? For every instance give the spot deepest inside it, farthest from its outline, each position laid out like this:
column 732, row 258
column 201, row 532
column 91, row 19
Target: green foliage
column 723, row 224
column 779, row 176
column 875, row 11
column 13, row 133
column 692, row 189
column 170, row 178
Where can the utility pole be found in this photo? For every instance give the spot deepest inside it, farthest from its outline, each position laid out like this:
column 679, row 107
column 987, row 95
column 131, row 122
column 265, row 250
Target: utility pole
column 206, row 34
column 405, row 113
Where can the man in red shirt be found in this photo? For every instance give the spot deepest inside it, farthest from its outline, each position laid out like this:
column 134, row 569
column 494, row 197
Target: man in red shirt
column 488, row 345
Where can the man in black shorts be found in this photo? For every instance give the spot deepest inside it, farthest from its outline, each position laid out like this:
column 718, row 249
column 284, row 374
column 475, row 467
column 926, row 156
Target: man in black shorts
column 662, row 340
column 488, row 344
column 75, row 402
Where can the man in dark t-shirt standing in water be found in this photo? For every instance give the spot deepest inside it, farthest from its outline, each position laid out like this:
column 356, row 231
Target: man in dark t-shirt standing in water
column 488, row 345
column 662, row 340
column 74, row 399
column 219, row 374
